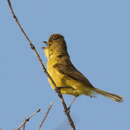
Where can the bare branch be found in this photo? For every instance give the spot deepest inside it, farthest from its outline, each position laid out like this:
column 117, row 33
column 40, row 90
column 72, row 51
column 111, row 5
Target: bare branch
column 23, row 124
column 67, row 112
column 45, row 116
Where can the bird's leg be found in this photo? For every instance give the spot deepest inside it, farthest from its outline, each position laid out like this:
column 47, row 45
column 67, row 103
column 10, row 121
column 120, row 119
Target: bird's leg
column 74, row 99
column 69, row 90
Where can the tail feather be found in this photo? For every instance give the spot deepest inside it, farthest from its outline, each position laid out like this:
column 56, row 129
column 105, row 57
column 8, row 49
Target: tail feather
column 109, row 95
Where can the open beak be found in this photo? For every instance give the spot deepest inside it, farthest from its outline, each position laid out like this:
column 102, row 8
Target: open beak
column 46, row 43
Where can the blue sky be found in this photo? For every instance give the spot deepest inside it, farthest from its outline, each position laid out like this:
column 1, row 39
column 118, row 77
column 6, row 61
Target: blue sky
column 98, row 37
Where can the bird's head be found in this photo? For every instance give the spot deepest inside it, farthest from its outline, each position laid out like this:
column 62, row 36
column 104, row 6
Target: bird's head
column 55, row 44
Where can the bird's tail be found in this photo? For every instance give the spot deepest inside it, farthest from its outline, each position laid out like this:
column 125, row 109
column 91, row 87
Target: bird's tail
column 109, row 95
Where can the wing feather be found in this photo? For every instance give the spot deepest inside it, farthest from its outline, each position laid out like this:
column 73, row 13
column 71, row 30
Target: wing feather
column 68, row 69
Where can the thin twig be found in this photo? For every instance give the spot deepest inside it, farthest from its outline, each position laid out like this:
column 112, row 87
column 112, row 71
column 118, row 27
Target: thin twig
column 23, row 124
column 67, row 112
column 45, row 116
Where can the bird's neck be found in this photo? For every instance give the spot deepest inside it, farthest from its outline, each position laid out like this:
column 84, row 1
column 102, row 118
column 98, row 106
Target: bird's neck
column 58, row 52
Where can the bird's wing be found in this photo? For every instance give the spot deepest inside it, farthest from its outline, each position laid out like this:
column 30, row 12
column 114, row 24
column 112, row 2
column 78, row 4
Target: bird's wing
column 70, row 71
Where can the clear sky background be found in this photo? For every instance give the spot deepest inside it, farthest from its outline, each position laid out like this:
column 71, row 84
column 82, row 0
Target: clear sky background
column 98, row 37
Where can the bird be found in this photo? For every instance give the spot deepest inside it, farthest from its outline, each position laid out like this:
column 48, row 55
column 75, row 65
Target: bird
column 68, row 79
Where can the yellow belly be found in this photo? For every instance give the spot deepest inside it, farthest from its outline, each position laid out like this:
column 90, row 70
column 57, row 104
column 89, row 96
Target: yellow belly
column 69, row 86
